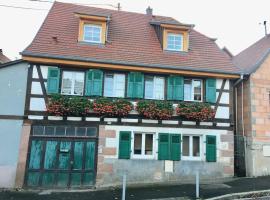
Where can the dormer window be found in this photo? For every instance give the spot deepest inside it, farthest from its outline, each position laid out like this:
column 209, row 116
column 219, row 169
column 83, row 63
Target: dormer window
column 92, row 28
column 174, row 42
column 92, row 33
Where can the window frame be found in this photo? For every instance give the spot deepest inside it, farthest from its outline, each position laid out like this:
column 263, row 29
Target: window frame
column 73, row 82
column 192, row 89
column 191, row 157
column 175, row 35
column 154, row 78
column 143, row 156
column 96, row 26
column 113, row 73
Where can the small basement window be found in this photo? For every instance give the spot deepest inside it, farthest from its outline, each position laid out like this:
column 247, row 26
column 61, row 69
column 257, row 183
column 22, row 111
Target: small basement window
column 143, row 145
column 92, row 33
column 191, row 147
column 72, row 83
column 174, row 42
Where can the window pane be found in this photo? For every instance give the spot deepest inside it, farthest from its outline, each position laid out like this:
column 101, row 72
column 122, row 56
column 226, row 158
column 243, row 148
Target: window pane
column 91, row 131
column 119, row 85
column 159, row 88
column 149, row 144
column 80, row 131
column 92, row 33
column 196, row 146
column 78, row 83
column 70, row 131
column 67, row 83
column 185, row 145
column 174, row 41
column 138, row 144
column 38, row 130
column 149, row 87
column 49, row 130
column 60, row 130
column 197, row 90
column 187, row 89
column 108, row 85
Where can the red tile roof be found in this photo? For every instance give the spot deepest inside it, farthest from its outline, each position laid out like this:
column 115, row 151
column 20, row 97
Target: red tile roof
column 131, row 40
column 3, row 58
column 250, row 59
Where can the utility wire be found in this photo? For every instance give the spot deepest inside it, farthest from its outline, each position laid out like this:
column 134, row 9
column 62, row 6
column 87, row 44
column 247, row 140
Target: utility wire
column 19, row 7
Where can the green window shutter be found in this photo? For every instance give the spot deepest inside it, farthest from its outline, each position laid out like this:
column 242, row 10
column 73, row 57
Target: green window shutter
column 175, row 88
column 124, row 144
column 211, row 90
column 163, row 146
column 175, row 146
column 179, row 88
column 53, row 80
column 135, row 85
column 211, row 148
column 94, row 82
column 170, row 88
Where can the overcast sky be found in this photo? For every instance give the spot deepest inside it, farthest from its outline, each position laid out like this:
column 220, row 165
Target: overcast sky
column 235, row 23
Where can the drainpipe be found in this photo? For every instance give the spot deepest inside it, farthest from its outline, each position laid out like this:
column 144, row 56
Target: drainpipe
column 242, row 102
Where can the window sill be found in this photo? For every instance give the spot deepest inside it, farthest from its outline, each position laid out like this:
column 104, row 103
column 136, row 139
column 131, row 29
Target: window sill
column 175, row 51
column 91, row 43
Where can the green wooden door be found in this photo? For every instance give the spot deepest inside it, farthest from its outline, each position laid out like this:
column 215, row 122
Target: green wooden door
column 61, row 163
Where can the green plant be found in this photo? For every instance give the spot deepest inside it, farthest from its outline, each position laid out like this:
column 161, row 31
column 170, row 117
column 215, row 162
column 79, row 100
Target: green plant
column 110, row 107
column 79, row 106
column 195, row 111
column 63, row 106
column 155, row 109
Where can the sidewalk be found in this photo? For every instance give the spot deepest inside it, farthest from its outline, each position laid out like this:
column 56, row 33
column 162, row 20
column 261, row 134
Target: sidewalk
column 185, row 191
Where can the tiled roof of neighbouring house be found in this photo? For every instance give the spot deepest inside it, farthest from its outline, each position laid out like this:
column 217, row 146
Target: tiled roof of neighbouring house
column 132, row 40
column 3, row 58
column 252, row 57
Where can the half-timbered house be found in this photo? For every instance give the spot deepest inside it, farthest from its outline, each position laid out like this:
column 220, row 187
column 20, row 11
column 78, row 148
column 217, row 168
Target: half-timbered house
column 159, row 65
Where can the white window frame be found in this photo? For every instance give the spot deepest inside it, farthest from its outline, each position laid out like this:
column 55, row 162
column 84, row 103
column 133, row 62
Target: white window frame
column 143, row 156
column 72, row 82
column 114, row 85
column 192, row 90
column 95, row 26
column 154, row 87
column 175, row 35
column 191, row 157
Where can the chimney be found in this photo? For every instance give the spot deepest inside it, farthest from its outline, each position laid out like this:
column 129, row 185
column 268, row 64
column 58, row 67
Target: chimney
column 149, row 11
column 1, row 51
column 265, row 27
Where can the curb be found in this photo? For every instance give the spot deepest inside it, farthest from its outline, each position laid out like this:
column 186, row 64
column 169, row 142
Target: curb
column 235, row 195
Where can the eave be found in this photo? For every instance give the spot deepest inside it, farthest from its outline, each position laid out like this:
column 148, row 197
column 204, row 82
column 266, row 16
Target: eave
column 126, row 67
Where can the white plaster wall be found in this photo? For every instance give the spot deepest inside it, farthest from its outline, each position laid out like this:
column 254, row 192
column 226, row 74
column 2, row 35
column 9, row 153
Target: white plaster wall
column 37, row 104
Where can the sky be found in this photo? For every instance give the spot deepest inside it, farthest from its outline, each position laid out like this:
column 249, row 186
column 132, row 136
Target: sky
column 235, row 23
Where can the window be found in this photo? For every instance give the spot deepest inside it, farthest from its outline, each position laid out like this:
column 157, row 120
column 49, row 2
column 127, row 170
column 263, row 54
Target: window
column 154, row 87
column 143, row 144
column 92, row 33
column 191, row 147
column 192, row 90
column 114, row 85
column 72, row 83
column 174, row 42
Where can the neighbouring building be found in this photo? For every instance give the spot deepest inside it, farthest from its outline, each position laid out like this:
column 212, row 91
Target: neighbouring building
column 3, row 58
column 179, row 83
column 13, row 78
column 253, row 108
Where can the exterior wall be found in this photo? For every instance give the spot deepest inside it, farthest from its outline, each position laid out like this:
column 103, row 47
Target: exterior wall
column 110, row 169
column 259, row 142
column 12, row 100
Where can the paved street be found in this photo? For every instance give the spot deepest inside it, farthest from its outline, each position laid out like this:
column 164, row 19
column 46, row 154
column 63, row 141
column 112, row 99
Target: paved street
column 186, row 191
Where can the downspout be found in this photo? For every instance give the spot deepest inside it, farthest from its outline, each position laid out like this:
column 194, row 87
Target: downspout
column 242, row 102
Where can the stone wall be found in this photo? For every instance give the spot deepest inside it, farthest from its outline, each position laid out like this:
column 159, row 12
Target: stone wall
column 110, row 169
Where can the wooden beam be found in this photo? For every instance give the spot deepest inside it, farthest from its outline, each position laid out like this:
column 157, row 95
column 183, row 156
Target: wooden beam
column 73, row 63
